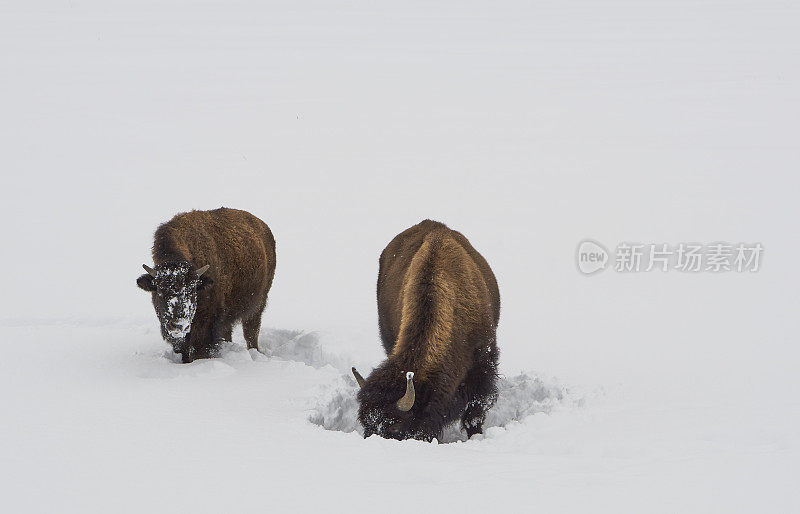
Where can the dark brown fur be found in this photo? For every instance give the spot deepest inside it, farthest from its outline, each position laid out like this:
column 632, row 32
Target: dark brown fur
column 438, row 309
column 240, row 249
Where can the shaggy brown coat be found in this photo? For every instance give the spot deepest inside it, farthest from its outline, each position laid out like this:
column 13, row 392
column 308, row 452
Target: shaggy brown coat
column 438, row 309
column 240, row 250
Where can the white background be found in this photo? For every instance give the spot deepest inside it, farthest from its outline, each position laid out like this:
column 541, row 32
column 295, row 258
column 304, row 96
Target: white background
column 528, row 126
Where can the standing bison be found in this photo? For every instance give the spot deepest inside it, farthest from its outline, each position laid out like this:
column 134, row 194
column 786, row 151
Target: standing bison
column 438, row 309
column 212, row 268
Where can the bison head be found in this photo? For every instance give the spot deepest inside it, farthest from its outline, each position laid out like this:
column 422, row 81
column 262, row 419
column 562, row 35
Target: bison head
column 389, row 405
column 174, row 286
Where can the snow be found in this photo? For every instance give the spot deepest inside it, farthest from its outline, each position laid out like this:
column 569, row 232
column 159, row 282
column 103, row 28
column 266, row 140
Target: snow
column 98, row 414
column 528, row 126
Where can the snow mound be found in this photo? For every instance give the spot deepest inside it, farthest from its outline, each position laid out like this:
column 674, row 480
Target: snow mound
column 520, row 396
column 300, row 346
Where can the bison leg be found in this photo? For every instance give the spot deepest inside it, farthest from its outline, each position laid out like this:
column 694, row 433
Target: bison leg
column 251, row 328
column 187, row 356
column 480, row 389
column 475, row 415
column 203, row 340
column 227, row 334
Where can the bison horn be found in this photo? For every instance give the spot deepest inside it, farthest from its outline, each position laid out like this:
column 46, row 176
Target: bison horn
column 203, row 269
column 359, row 378
column 407, row 401
column 149, row 270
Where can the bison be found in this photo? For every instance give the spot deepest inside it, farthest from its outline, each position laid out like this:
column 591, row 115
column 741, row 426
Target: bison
column 212, row 268
column 438, row 309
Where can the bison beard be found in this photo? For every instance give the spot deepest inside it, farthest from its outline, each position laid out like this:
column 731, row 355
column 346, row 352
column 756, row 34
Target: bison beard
column 212, row 268
column 438, row 309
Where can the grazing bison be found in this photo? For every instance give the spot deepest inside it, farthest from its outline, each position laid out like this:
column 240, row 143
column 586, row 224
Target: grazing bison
column 438, row 308
column 212, row 268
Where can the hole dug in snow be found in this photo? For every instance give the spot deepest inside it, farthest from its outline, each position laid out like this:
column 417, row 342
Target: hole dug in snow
column 520, row 396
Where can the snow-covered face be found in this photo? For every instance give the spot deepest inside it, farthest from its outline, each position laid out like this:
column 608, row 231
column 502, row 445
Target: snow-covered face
column 174, row 289
column 384, row 420
column 379, row 412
